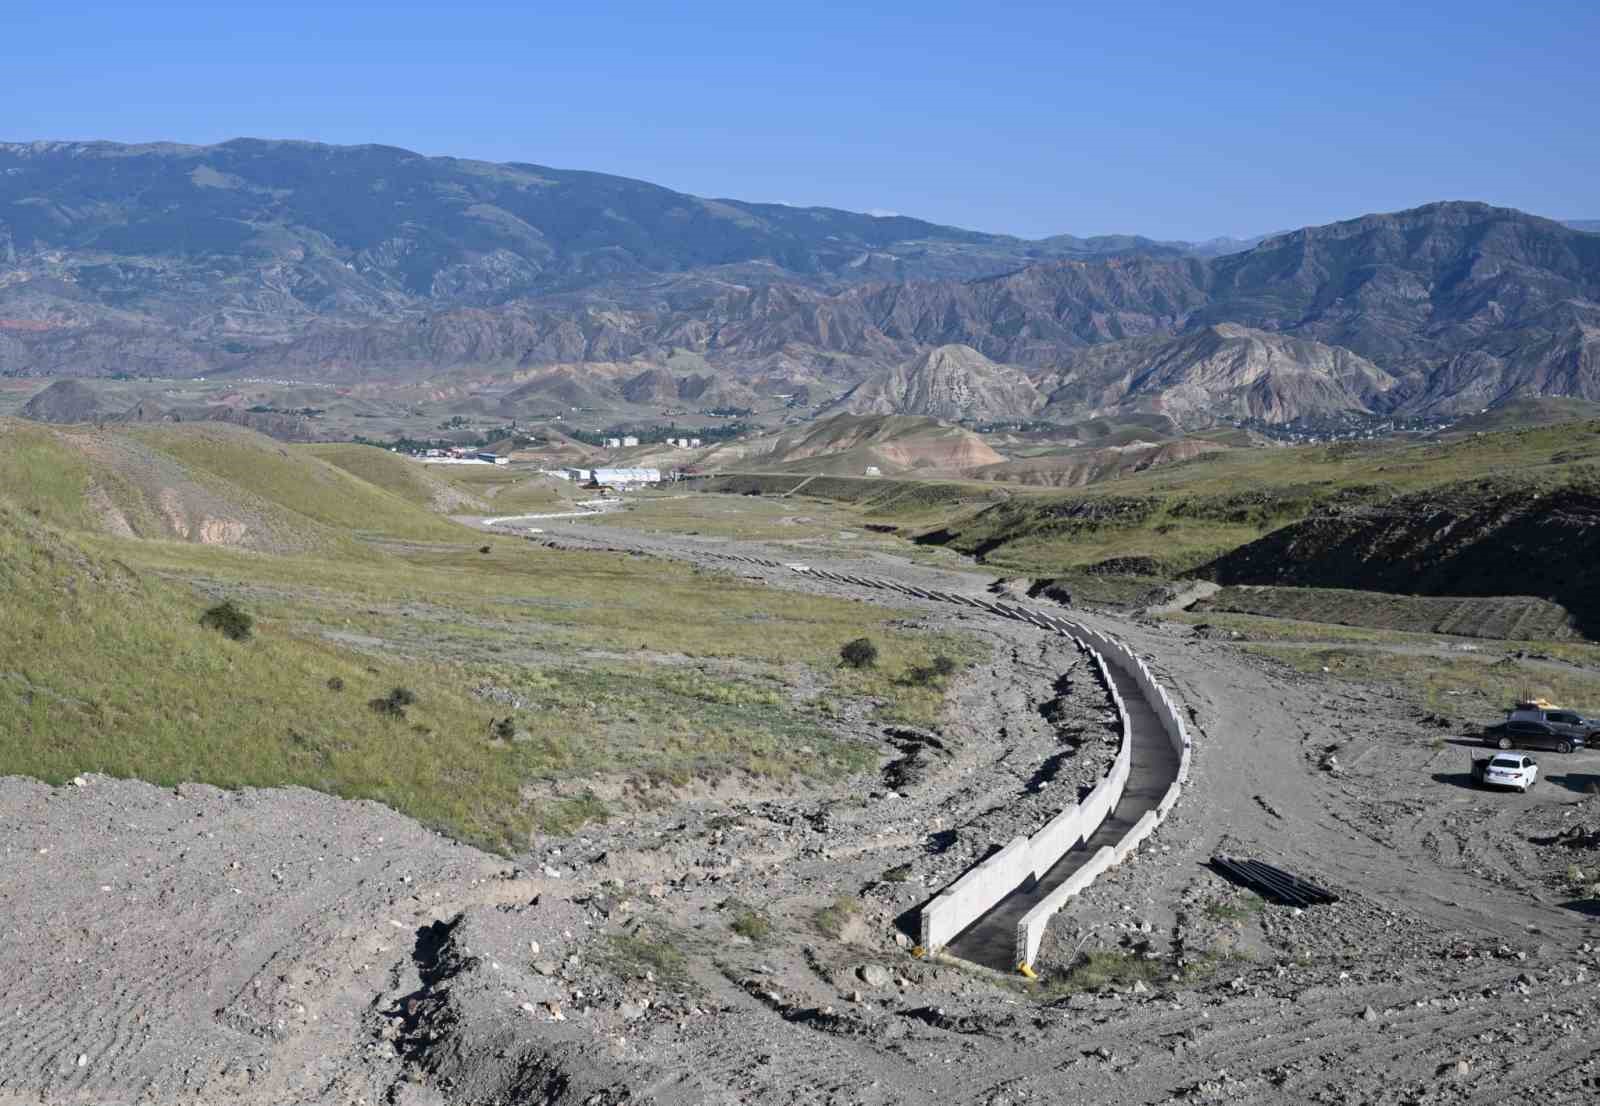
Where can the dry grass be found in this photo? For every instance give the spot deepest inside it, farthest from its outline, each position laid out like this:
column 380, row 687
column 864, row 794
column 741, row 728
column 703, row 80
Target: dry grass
column 1103, row 968
column 1449, row 685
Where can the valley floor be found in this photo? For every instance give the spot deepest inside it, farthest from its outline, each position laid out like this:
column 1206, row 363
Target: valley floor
column 724, row 945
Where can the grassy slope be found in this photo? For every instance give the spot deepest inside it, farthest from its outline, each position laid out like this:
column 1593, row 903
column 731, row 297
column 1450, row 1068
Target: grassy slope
column 607, row 666
column 284, row 491
column 106, row 669
column 296, row 479
column 1185, row 514
column 378, row 467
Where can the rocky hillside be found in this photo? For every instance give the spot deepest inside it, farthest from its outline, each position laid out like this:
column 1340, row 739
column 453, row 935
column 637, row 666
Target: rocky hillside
column 1221, row 369
column 193, row 254
column 950, row 382
column 75, row 401
column 1477, row 538
column 294, row 259
column 850, row 445
column 68, row 401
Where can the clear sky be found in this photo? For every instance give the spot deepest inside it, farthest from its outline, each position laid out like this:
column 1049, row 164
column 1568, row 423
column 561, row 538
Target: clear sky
column 1168, row 119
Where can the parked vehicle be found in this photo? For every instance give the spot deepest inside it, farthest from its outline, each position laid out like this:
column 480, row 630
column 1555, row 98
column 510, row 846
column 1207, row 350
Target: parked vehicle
column 1560, row 719
column 1531, row 735
column 1506, row 770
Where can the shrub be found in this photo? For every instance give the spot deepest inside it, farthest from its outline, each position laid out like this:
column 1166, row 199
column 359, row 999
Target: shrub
column 335, row 683
column 483, row 549
column 832, row 919
column 860, row 653
column 923, row 675
column 751, row 923
column 229, row 621
column 505, row 729
column 650, row 950
column 395, row 703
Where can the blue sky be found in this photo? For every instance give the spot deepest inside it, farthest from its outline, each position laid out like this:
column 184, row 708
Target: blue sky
column 1172, row 120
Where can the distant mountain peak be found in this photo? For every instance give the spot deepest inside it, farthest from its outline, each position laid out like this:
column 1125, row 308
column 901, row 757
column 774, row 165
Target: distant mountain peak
column 286, row 257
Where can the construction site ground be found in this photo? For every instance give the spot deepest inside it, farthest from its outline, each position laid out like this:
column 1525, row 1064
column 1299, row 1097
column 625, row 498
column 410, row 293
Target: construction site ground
column 282, row 946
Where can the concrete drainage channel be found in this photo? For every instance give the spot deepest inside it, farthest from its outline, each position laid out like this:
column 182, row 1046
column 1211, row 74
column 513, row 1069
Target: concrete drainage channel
column 996, row 914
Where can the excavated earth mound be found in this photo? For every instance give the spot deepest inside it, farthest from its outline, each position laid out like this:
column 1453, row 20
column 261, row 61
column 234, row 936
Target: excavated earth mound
column 1478, row 539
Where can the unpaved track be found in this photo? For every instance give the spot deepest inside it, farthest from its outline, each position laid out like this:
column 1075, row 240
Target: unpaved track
column 1452, row 928
column 161, row 944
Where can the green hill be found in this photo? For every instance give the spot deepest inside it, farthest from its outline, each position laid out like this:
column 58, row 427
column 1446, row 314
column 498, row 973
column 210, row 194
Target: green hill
column 104, row 668
column 527, row 671
column 203, row 482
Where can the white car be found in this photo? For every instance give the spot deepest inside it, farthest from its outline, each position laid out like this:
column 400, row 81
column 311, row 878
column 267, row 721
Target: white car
column 1506, row 770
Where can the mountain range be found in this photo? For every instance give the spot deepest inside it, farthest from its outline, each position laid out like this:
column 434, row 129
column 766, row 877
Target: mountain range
column 294, row 259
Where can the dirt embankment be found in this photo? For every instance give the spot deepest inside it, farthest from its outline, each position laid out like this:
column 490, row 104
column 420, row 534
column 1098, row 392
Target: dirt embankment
column 1466, row 540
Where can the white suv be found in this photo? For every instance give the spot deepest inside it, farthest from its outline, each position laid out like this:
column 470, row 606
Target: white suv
column 1506, row 770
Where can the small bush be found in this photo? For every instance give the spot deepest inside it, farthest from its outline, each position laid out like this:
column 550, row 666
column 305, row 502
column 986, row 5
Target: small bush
column 924, row 675
column 335, row 683
column 832, row 919
column 1096, row 971
column 395, row 703
column 483, row 549
column 505, row 729
column 651, row 950
column 751, row 923
column 898, row 874
column 860, row 653
column 229, row 621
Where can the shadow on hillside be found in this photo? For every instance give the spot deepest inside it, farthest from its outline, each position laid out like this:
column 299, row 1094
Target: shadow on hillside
column 1591, row 907
column 1503, row 538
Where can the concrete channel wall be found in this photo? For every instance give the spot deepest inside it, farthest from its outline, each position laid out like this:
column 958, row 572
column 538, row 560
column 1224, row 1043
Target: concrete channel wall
column 1025, row 860
column 977, row 892
column 1031, row 929
column 971, row 896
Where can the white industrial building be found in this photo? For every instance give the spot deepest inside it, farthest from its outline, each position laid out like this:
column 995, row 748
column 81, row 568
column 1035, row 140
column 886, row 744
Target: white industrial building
column 626, row 478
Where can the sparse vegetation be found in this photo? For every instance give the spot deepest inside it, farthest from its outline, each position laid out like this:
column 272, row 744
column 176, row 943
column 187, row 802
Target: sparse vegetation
column 563, row 817
column 1103, row 968
column 748, row 922
column 1499, row 618
column 1483, row 686
column 936, row 672
column 1240, row 908
column 832, row 919
column 116, row 649
column 652, row 949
